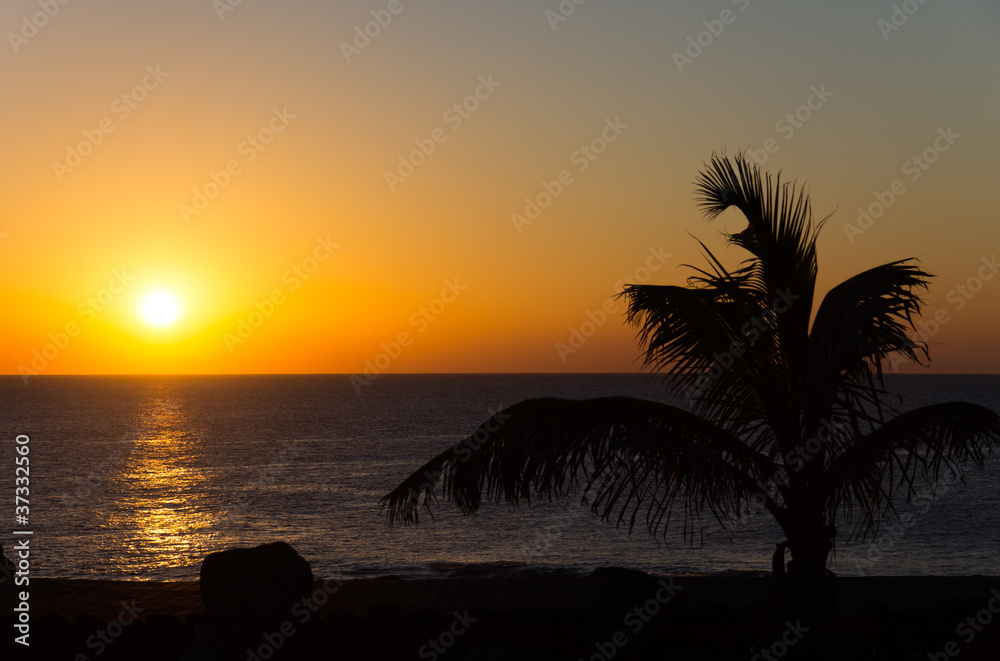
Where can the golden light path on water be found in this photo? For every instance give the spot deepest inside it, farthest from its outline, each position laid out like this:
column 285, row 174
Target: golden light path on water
column 159, row 523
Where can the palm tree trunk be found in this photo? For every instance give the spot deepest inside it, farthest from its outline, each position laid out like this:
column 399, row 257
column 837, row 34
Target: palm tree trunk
column 810, row 590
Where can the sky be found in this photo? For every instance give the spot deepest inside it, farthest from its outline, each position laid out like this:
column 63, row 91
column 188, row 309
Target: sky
column 416, row 186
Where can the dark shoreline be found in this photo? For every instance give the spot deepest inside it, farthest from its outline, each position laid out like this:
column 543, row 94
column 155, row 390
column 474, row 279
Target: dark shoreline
column 906, row 617
column 72, row 597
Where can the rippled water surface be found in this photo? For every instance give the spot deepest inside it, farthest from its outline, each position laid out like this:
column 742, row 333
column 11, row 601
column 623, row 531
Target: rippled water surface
column 141, row 477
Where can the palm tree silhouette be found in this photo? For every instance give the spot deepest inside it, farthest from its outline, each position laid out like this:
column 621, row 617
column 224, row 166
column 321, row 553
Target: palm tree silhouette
column 779, row 414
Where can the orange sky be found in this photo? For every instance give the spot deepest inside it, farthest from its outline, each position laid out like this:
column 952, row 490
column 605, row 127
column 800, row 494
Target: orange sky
column 310, row 194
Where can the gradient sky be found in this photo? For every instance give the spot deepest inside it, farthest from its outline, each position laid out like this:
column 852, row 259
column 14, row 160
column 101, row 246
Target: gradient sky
column 118, row 114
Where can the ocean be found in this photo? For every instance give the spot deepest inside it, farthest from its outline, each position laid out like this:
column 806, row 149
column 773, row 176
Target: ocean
column 141, row 477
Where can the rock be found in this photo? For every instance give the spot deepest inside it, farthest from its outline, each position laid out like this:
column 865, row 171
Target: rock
column 249, row 592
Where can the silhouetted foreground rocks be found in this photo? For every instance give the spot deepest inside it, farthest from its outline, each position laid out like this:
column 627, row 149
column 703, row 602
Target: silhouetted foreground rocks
column 635, row 617
column 249, row 594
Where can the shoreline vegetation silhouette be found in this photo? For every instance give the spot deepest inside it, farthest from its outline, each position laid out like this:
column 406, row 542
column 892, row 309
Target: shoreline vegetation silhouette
column 784, row 410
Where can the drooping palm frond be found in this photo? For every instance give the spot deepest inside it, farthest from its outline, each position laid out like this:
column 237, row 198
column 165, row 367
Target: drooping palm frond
column 865, row 318
column 916, row 444
column 633, row 458
column 860, row 323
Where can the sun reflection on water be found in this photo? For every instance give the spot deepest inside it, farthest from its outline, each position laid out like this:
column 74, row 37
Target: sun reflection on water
column 163, row 520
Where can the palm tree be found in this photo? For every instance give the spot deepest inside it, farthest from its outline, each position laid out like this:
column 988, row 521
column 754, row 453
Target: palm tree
column 779, row 414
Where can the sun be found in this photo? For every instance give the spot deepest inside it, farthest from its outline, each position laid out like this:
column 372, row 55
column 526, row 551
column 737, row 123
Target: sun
column 160, row 307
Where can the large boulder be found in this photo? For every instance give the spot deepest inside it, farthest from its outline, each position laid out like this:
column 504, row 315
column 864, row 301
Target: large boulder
column 249, row 592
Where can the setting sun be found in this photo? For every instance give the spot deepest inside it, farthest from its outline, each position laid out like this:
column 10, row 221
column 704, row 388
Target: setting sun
column 160, row 307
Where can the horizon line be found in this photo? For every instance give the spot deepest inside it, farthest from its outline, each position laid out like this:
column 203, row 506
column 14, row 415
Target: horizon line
column 349, row 374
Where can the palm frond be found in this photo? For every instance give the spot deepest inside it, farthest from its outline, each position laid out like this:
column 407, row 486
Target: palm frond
column 866, row 318
column 919, row 443
column 632, row 457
